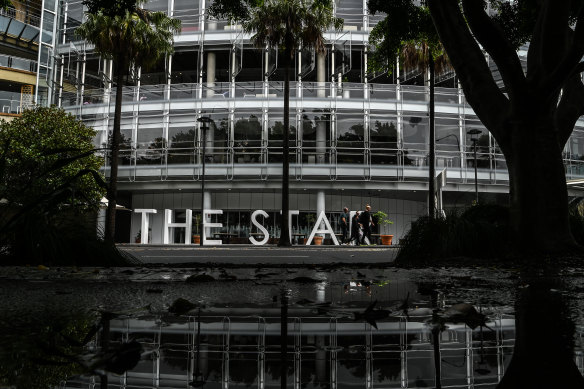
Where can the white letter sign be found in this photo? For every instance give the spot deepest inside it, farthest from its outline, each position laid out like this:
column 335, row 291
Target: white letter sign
column 168, row 224
column 327, row 230
column 209, row 225
column 260, row 227
column 144, row 225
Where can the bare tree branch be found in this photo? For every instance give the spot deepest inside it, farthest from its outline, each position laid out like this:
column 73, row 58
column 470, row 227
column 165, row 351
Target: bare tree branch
column 549, row 40
column 480, row 89
column 493, row 40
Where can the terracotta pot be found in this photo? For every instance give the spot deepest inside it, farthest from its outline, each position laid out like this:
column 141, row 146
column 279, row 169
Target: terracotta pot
column 318, row 240
column 386, row 239
column 197, row 239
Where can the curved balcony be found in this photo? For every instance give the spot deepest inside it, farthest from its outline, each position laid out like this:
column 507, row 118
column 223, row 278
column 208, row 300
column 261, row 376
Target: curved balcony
column 352, row 133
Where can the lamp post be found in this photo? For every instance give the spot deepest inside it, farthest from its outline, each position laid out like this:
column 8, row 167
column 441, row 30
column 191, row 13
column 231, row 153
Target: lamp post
column 204, row 120
column 474, row 137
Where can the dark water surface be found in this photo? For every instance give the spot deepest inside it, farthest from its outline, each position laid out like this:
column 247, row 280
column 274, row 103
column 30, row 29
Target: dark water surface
column 72, row 328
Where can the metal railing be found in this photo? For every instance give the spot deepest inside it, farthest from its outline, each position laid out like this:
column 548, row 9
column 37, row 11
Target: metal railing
column 22, row 16
column 9, row 61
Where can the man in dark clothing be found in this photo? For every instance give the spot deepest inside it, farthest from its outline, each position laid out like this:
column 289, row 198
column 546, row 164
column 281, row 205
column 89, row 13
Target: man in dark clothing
column 355, row 229
column 367, row 222
column 345, row 216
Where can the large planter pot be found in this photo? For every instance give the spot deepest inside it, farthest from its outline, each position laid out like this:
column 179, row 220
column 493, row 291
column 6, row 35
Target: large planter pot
column 197, row 239
column 318, row 240
column 386, row 239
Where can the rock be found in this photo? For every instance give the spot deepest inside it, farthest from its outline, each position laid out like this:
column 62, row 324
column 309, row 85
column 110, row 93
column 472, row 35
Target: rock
column 304, row 280
column 200, row 278
column 181, row 306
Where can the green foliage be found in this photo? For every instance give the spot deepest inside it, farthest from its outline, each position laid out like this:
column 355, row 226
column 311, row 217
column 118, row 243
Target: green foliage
column 518, row 18
column 4, row 4
column 137, row 36
column 48, row 153
column 66, row 238
column 406, row 25
column 479, row 232
column 34, row 354
column 281, row 23
column 381, row 218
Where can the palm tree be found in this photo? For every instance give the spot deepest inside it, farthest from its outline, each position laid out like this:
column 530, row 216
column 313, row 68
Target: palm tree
column 421, row 55
column 136, row 37
column 288, row 25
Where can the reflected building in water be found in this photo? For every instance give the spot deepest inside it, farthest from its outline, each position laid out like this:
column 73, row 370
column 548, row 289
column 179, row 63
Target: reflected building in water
column 356, row 137
column 241, row 350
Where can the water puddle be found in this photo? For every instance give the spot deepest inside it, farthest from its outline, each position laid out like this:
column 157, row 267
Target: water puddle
column 222, row 328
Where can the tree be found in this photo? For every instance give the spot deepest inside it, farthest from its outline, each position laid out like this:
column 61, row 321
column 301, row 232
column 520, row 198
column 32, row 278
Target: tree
column 4, row 4
column 50, row 188
column 407, row 32
column 287, row 25
column 46, row 151
column 532, row 117
column 128, row 35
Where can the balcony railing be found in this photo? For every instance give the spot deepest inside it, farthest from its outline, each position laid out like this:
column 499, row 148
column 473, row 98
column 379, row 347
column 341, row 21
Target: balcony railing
column 22, row 16
column 12, row 62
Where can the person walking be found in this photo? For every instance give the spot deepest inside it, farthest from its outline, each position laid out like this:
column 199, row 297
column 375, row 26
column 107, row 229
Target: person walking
column 345, row 217
column 367, row 223
column 355, row 229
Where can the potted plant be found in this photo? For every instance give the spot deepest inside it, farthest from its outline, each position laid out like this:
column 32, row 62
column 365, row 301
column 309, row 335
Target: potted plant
column 196, row 235
column 346, row 91
column 382, row 220
column 139, row 237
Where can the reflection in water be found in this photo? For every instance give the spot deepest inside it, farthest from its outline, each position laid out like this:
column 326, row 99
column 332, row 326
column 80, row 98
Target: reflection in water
column 326, row 352
column 544, row 349
column 227, row 334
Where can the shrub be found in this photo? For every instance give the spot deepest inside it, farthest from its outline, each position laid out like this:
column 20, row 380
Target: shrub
column 480, row 232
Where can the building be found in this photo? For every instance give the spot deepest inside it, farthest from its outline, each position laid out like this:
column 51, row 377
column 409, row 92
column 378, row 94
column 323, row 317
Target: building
column 357, row 138
column 19, row 52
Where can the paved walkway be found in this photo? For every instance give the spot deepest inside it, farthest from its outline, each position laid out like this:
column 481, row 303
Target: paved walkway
column 247, row 255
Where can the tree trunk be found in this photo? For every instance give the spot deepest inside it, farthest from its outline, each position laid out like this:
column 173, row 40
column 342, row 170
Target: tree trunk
column 538, row 191
column 543, row 355
column 432, row 142
column 284, row 229
column 112, row 190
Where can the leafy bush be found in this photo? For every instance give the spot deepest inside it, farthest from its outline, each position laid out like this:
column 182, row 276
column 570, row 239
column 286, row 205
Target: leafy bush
column 577, row 227
column 480, row 231
column 68, row 238
column 47, row 152
column 50, row 188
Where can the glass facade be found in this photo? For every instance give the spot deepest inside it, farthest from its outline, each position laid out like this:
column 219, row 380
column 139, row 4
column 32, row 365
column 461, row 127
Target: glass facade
column 349, row 129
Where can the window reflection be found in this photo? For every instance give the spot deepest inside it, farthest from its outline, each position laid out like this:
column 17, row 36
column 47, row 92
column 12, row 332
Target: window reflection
column 383, row 141
column 247, row 139
column 350, row 138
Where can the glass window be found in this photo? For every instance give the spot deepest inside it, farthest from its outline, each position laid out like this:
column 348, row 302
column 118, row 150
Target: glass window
column 447, row 142
column 184, row 67
column 276, row 136
column 415, row 139
column 188, row 12
column 154, row 75
column 182, row 138
column 217, row 138
column 383, row 139
column 482, row 139
column 247, row 138
column 350, row 137
column 316, row 136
